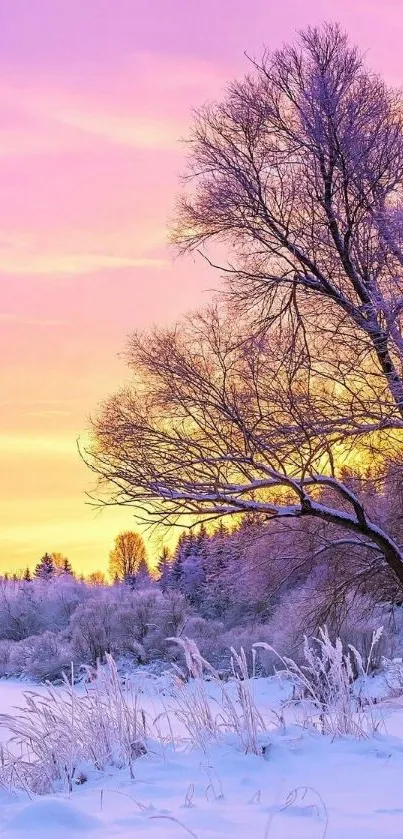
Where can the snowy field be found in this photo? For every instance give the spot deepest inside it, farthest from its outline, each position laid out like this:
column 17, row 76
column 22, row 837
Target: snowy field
column 303, row 784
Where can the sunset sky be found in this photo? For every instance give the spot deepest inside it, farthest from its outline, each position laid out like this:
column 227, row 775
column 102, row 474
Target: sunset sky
column 94, row 95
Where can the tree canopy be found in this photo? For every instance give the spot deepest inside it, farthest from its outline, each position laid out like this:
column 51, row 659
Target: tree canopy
column 128, row 555
column 259, row 403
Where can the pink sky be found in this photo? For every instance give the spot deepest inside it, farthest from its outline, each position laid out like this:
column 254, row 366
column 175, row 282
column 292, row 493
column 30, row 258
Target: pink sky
column 94, row 95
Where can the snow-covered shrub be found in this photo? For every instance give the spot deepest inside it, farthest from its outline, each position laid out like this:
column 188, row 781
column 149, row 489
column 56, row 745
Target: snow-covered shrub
column 20, row 616
column 60, row 732
column 136, row 617
column 20, row 655
column 173, row 613
column 354, row 622
column 92, row 630
column 59, row 600
column 42, row 657
column 244, row 637
column 30, row 607
column 5, row 651
column 210, row 639
column 284, row 629
column 392, row 672
column 123, row 621
column 362, row 620
column 170, row 611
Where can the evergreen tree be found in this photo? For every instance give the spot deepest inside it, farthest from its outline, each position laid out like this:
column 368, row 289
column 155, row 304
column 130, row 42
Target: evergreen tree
column 178, row 558
column 61, row 563
column 67, row 568
column 143, row 577
column 45, row 568
column 215, row 600
column 164, row 568
column 201, row 540
column 184, row 549
column 193, row 565
column 27, row 575
column 129, row 580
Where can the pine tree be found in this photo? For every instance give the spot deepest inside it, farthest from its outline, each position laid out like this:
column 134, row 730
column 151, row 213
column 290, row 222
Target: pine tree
column 45, row 568
column 164, row 568
column 61, row 564
column 201, row 540
column 67, row 569
column 27, row 575
column 215, row 599
column 193, row 566
column 143, row 577
column 183, row 550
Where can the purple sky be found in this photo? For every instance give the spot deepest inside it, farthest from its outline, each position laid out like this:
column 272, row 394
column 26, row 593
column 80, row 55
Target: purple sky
column 94, row 95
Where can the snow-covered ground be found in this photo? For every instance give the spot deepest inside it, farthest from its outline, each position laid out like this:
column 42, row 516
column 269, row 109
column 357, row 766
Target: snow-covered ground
column 304, row 785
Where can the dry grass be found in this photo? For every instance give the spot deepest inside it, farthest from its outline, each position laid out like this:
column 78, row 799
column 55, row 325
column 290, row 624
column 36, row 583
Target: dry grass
column 323, row 687
column 207, row 717
column 60, row 732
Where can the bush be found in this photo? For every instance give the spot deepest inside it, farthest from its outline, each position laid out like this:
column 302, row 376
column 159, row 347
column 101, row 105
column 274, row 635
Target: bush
column 92, row 630
column 125, row 621
column 42, row 657
column 5, row 651
column 210, row 639
column 20, row 616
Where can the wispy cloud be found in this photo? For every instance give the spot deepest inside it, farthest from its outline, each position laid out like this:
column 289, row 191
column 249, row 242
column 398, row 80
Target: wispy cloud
column 134, row 132
column 62, row 121
column 7, row 317
column 12, row 445
column 48, row 413
column 48, row 114
column 20, row 261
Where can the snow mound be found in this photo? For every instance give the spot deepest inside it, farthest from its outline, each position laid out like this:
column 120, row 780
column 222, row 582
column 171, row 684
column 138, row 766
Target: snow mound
column 49, row 817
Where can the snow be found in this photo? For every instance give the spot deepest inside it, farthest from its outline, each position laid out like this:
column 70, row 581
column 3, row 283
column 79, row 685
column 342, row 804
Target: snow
column 42, row 817
column 304, row 786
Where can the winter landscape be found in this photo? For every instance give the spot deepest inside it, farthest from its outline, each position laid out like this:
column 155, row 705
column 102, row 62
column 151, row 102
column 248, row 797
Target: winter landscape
column 214, row 646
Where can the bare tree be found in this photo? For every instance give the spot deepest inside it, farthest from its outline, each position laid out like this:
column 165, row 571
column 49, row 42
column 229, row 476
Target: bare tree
column 300, row 170
column 96, row 578
column 260, row 406
column 127, row 555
